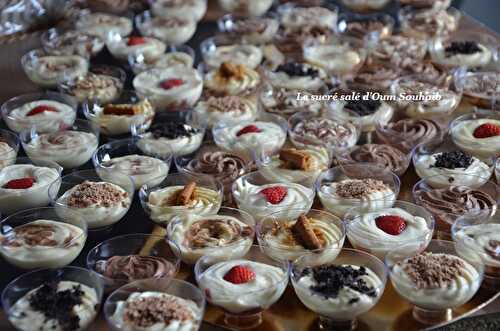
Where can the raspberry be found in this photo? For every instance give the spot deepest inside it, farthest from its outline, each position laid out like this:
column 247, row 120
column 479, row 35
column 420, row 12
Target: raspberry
column 239, row 274
column 20, row 183
column 40, row 109
column 133, row 41
column 275, row 194
column 171, row 83
column 248, row 129
column 391, row 224
column 487, row 130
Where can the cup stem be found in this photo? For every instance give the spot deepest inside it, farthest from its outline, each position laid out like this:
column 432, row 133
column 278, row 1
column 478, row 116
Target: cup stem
column 431, row 317
column 244, row 321
column 328, row 324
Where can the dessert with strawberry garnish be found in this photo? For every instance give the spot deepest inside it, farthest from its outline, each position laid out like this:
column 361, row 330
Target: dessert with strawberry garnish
column 232, row 79
column 368, row 113
column 259, row 197
column 121, row 48
column 379, row 232
column 192, row 9
column 314, row 230
column 100, row 24
column 227, row 108
column 48, row 112
column 172, row 87
column 229, row 233
column 479, row 136
column 295, row 165
column 297, row 75
column 170, row 30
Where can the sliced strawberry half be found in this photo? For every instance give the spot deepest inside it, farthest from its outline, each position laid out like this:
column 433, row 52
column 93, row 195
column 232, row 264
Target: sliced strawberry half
column 20, row 183
column 275, row 194
column 248, row 129
column 134, row 40
column 487, row 130
column 239, row 274
column 391, row 224
column 171, row 83
column 41, row 109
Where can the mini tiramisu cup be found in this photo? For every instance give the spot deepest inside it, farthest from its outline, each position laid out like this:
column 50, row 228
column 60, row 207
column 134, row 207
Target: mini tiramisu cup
column 243, row 299
column 367, row 187
column 383, row 155
column 339, row 288
column 181, row 56
column 380, row 231
column 9, row 146
column 227, row 234
column 358, row 26
column 47, row 111
column 123, row 47
column 26, row 183
column 444, row 164
column 170, row 30
column 448, row 203
column 41, row 238
column 181, row 195
column 257, row 30
column 193, row 9
column 30, row 300
column 102, row 200
column 46, row 70
column 285, row 102
column 100, row 24
column 308, row 129
column 118, row 117
column 103, row 84
column 227, row 108
column 286, row 239
column 481, row 89
column 435, row 279
column 259, row 197
column 180, row 137
column 477, row 134
column 125, row 157
column 429, row 23
column 364, row 6
column 127, row 258
column 218, row 50
column 70, row 146
column 71, row 42
column 163, row 304
column 246, row 8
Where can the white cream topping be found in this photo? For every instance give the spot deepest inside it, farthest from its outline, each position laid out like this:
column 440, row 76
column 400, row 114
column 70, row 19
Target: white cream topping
column 100, row 24
column 213, row 114
column 162, row 146
column 298, row 18
column 7, row 155
column 482, row 240
column 111, row 124
column 192, row 9
column 463, row 136
column 48, row 70
column 245, row 7
column 338, row 59
column 151, row 48
column 172, row 31
column 248, row 55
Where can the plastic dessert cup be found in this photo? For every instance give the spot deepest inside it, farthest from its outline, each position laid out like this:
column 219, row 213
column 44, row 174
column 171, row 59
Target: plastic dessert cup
column 8, row 157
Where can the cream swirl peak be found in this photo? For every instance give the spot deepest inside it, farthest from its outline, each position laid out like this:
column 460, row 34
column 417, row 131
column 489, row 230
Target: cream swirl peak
column 384, row 155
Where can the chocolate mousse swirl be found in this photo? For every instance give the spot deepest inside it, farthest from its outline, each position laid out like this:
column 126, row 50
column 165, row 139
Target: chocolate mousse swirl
column 383, row 155
column 133, row 267
column 455, row 200
column 215, row 233
column 224, row 166
column 408, row 133
column 42, row 234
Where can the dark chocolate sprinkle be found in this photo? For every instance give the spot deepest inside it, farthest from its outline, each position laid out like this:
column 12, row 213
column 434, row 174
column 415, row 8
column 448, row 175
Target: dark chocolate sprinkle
column 462, row 47
column 363, row 107
column 172, row 130
column 297, row 70
column 453, row 160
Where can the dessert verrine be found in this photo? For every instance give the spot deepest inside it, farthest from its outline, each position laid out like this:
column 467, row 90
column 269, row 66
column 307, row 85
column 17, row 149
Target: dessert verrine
column 53, row 299
column 295, row 165
column 171, row 30
column 285, row 102
column 469, row 50
column 297, row 75
column 363, row 26
column 425, row 5
column 227, row 108
column 339, row 288
column 398, row 50
column 232, row 79
column 47, row 111
column 256, row 30
column 26, row 184
column 181, row 56
column 9, row 146
column 435, row 279
column 365, row 5
column 70, row 147
column 71, row 42
column 256, row 195
column 477, row 134
column 375, row 77
column 170, row 87
column 381, row 231
column 308, row 129
column 299, row 17
column 229, row 233
column 429, row 23
column 181, row 196
column 479, row 88
column 367, row 187
column 286, row 239
column 246, row 7
column 386, row 156
column 39, row 238
column 215, row 52
column 122, row 47
column 194, row 9
column 46, row 70
column 100, row 24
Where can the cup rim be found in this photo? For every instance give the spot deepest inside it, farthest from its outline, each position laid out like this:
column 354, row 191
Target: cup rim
column 13, row 141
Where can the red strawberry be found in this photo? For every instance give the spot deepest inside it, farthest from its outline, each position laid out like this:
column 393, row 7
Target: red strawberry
column 171, row 83
column 239, row 274
column 487, row 130
column 391, row 224
column 40, row 109
column 275, row 194
column 20, row 183
column 248, row 129
column 207, row 293
column 134, row 40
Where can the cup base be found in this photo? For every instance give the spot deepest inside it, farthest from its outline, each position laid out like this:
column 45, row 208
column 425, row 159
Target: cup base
column 328, row 324
column 431, row 317
column 243, row 322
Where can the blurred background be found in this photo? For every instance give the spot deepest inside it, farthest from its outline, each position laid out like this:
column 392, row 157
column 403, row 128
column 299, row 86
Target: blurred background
column 485, row 11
